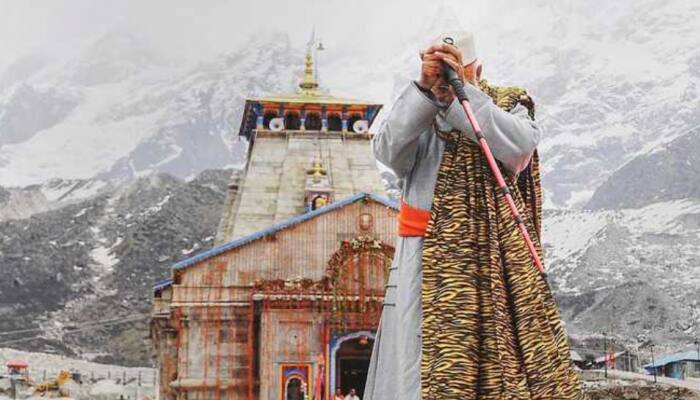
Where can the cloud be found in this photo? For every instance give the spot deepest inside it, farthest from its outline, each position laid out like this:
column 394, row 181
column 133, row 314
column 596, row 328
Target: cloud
column 195, row 30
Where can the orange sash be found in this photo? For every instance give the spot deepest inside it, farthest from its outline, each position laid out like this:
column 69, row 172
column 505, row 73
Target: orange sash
column 412, row 221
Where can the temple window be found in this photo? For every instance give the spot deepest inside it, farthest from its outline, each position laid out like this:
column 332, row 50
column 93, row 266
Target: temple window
column 313, row 121
column 335, row 123
column 269, row 115
column 292, row 121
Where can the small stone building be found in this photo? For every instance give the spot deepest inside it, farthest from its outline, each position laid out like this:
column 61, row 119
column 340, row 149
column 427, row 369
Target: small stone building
column 678, row 366
column 286, row 305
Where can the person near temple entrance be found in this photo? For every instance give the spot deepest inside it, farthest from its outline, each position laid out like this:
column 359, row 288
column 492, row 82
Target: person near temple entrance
column 338, row 394
column 466, row 314
column 352, row 395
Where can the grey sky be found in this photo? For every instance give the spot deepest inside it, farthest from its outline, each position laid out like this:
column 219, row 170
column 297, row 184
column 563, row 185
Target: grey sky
column 196, row 29
column 199, row 29
column 363, row 30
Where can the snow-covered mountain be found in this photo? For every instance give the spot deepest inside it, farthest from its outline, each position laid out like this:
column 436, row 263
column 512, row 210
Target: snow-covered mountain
column 612, row 81
column 117, row 112
column 622, row 89
column 616, row 86
column 669, row 172
column 632, row 272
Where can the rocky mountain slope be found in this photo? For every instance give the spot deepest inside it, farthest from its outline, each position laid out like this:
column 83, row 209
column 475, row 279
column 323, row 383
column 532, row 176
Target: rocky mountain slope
column 78, row 279
column 669, row 172
column 23, row 202
column 632, row 273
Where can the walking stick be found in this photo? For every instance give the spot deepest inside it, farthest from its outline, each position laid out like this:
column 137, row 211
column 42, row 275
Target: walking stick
column 458, row 85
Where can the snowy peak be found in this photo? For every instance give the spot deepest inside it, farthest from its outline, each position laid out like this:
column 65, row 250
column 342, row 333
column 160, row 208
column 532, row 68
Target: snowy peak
column 112, row 58
column 129, row 116
column 21, row 69
column 26, row 110
column 611, row 82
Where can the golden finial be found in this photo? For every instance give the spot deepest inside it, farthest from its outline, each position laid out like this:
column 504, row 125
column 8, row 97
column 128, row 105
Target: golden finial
column 308, row 84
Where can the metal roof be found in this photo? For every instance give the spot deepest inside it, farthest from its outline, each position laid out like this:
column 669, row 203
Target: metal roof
column 615, row 355
column 272, row 229
column 162, row 284
column 690, row 355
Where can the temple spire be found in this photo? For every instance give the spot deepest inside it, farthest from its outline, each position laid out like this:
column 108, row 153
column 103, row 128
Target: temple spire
column 308, row 85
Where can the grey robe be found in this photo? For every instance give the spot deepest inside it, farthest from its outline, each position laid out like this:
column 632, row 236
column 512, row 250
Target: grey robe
column 407, row 144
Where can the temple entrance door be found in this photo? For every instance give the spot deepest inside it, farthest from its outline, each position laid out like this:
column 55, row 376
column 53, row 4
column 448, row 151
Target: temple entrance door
column 293, row 390
column 352, row 362
column 295, row 381
column 353, row 374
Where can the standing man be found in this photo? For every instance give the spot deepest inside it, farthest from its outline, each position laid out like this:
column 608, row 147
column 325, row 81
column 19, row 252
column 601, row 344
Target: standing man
column 466, row 314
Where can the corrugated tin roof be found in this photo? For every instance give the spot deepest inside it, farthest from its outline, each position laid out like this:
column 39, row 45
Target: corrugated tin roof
column 615, row 355
column 162, row 284
column 272, row 229
column 690, row 355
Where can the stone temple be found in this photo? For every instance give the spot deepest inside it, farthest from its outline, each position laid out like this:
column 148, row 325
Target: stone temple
column 286, row 305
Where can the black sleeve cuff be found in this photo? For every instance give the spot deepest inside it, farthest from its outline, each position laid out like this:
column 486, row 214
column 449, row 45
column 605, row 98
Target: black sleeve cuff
column 425, row 91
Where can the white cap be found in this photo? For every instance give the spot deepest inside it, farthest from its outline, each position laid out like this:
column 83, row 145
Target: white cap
column 464, row 41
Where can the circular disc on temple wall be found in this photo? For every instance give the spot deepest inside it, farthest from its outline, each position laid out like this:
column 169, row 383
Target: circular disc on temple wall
column 360, row 126
column 277, row 124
